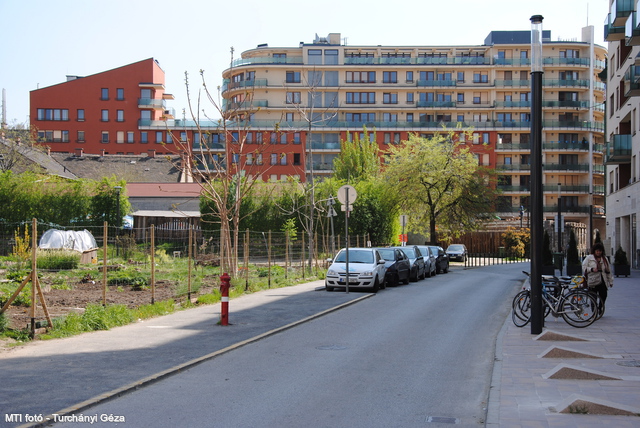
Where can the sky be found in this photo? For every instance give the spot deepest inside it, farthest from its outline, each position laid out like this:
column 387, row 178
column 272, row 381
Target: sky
column 43, row 41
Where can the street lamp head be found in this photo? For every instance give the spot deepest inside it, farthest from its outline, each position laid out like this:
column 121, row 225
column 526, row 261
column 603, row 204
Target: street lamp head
column 536, row 43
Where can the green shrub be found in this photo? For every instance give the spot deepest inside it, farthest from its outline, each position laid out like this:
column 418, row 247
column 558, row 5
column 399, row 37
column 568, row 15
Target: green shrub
column 620, row 257
column 128, row 277
column 4, row 323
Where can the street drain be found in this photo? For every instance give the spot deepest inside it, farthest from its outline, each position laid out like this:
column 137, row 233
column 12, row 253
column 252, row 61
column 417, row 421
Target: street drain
column 442, row 420
column 630, row 363
column 331, row 348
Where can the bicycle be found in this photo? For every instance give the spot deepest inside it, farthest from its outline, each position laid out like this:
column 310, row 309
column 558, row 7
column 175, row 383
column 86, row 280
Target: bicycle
column 576, row 306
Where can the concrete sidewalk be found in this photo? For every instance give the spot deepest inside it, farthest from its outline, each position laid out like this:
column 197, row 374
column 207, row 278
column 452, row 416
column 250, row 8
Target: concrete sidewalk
column 552, row 379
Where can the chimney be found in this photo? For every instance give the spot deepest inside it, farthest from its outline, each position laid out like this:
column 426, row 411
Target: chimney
column 151, row 153
column 79, row 152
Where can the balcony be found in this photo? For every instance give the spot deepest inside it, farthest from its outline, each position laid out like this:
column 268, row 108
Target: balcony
column 612, row 32
column 556, row 83
column 566, row 189
column 632, row 81
column 566, row 145
column 325, row 146
column 513, row 167
column 632, row 30
column 227, row 86
column 513, row 147
column 512, row 83
column 436, row 104
column 621, row 10
column 513, row 104
column 505, row 188
column 565, row 167
column 566, row 104
column 577, row 124
column 619, row 150
column 244, row 105
column 585, row 62
column 151, row 103
column 267, row 60
column 524, row 62
column 574, row 209
column 432, row 83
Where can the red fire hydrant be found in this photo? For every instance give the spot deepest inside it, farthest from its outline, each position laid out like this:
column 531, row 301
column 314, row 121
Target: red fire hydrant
column 224, row 298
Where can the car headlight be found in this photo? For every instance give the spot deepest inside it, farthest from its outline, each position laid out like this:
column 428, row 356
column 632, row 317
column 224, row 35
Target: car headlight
column 332, row 272
column 367, row 273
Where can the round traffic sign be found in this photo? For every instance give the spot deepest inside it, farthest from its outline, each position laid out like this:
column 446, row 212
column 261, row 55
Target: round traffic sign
column 347, row 191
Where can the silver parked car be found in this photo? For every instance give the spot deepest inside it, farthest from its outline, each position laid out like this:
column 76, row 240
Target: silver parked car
column 366, row 270
column 457, row 252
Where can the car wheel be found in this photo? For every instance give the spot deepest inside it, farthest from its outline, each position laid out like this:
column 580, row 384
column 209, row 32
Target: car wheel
column 414, row 278
column 383, row 284
column 376, row 285
column 446, row 270
column 408, row 278
column 427, row 274
column 328, row 288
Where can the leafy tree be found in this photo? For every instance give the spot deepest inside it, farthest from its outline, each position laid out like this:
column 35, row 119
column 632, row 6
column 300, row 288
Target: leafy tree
column 104, row 203
column 441, row 184
column 516, row 242
column 358, row 160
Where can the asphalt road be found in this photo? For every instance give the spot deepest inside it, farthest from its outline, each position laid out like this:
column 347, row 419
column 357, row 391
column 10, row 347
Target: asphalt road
column 415, row 355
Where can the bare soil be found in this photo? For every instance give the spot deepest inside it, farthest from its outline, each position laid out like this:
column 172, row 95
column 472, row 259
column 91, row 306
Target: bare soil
column 61, row 302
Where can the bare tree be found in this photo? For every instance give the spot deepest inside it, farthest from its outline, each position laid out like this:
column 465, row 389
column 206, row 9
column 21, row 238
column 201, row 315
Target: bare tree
column 218, row 159
column 313, row 114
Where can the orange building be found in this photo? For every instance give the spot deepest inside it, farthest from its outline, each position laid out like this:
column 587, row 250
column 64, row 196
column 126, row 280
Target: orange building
column 103, row 113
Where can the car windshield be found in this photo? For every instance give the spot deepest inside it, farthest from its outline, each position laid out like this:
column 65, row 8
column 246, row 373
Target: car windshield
column 355, row 256
column 455, row 248
column 410, row 252
column 387, row 253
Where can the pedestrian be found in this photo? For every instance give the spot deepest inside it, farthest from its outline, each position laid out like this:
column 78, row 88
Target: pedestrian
column 597, row 271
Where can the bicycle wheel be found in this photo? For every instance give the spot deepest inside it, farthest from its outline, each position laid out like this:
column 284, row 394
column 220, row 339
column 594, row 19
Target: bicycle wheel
column 521, row 309
column 579, row 309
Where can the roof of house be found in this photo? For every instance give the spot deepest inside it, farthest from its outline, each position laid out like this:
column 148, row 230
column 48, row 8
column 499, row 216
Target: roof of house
column 132, row 168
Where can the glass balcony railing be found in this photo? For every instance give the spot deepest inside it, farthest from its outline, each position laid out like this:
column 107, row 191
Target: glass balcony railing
column 512, row 83
column 581, row 209
column 512, row 61
column 513, row 167
column 227, row 86
column 553, row 83
column 513, row 104
column 513, row 189
column 632, row 30
column 513, row 147
column 431, row 83
column 566, row 104
column 566, row 167
column 621, row 10
column 619, row 150
column 437, row 104
column 573, row 124
column 267, row 60
column 151, row 103
column 613, row 32
column 632, row 81
column 325, row 146
column 566, row 61
column 566, row 189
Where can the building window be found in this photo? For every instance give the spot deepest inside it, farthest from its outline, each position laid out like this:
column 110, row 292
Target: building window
column 460, row 98
column 480, row 78
column 280, row 55
column 159, row 135
column 120, row 137
column 80, row 115
column 361, row 77
column 104, row 115
column 80, row 137
column 331, row 56
column 105, row 137
column 409, row 117
column 409, row 76
column 53, row 114
column 293, row 97
column 360, row 117
column 293, row 77
column 130, row 137
column 389, row 117
column 104, row 94
column 258, row 158
column 144, row 137
column 410, row 99
column 283, row 158
column 274, row 159
column 120, row 115
column 296, row 138
column 120, row 94
column 390, row 77
column 249, row 159
column 460, row 76
column 289, row 117
column 361, row 98
column 235, row 158
column 315, row 56
column 273, row 139
column 296, row 158
column 390, row 98
column 64, row 136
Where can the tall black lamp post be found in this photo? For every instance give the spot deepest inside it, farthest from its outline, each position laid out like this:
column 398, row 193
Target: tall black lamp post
column 536, row 208
column 118, row 217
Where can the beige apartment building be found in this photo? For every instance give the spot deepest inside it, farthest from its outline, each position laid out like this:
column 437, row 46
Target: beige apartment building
column 622, row 31
column 309, row 97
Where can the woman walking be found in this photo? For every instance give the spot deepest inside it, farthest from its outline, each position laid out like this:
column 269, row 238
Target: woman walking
column 597, row 271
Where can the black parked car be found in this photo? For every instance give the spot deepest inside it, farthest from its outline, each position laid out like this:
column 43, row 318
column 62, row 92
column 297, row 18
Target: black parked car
column 429, row 260
column 442, row 259
column 416, row 259
column 397, row 264
column 457, row 252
